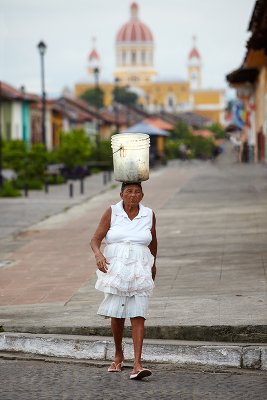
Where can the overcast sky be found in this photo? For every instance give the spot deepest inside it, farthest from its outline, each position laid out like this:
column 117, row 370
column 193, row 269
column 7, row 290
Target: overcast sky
column 67, row 27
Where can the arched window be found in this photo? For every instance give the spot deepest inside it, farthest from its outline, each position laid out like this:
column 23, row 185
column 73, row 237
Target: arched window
column 133, row 57
column 143, row 57
column 123, row 58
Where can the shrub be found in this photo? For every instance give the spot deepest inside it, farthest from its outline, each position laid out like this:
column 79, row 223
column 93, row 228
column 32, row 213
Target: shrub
column 75, row 148
column 33, row 184
column 8, row 190
column 55, row 179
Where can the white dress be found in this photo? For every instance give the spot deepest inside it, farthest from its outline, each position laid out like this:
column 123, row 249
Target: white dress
column 128, row 282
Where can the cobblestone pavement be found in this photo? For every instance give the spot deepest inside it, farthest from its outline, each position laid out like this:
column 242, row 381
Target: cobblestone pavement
column 32, row 380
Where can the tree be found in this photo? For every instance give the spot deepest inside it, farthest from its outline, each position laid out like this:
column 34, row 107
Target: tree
column 124, row 96
column 75, row 148
column 182, row 131
column 14, row 154
column 218, row 130
column 94, row 97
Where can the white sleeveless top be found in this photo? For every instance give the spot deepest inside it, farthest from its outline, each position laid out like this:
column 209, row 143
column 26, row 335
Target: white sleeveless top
column 122, row 229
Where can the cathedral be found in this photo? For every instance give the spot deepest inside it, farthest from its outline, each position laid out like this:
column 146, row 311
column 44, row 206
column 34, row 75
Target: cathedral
column 134, row 52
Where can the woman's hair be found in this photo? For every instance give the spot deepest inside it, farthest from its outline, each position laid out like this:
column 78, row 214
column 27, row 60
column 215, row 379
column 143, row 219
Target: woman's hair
column 125, row 184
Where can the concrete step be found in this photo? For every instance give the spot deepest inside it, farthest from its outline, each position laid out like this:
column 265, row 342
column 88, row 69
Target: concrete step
column 183, row 353
column 213, row 333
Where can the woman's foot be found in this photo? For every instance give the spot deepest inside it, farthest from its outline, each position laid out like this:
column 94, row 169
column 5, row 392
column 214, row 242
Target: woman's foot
column 139, row 372
column 117, row 364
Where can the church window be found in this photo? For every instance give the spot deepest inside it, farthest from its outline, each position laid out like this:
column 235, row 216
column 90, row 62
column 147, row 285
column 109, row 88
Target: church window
column 123, row 58
column 133, row 57
column 170, row 102
column 143, row 57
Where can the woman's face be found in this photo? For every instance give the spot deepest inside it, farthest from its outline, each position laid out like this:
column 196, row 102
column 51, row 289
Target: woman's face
column 132, row 195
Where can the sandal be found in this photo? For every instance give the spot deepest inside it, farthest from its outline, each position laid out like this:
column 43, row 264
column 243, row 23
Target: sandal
column 141, row 374
column 115, row 368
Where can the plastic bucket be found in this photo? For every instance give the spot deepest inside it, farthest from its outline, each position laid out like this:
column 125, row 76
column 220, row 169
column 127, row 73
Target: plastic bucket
column 130, row 156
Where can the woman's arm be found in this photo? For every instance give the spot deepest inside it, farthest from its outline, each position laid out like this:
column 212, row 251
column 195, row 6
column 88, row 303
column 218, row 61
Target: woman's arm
column 154, row 246
column 97, row 238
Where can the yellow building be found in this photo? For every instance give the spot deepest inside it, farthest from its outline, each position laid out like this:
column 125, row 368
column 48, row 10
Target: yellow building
column 135, row 69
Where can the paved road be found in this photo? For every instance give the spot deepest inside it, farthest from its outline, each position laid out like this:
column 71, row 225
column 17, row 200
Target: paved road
column 32, row 380
column 212, row 258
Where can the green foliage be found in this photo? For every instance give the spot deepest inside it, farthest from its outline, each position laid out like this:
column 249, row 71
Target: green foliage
column 75, row 148
column 181, row 131
column 55, row 179
column 29, row 164
column 30, row 183
column 124, row 96
column 105, row 151
column 218, row 130
column 202, row 148
column 94, row 97
column 8, row 190
column 14, row 154
column 196, row 146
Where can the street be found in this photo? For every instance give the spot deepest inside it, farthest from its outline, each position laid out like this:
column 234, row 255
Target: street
column 31, row 380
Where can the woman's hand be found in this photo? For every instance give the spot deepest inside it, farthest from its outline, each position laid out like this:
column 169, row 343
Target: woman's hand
column 101, row 262
column 153, row 272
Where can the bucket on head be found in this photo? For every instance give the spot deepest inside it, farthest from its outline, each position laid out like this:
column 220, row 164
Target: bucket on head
column 130, row 156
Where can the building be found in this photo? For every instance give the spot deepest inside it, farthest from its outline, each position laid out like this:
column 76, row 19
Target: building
column 134, row 53
column 250, row 82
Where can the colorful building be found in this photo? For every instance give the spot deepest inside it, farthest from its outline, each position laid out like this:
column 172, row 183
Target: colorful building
column 250, row 82
column 134, row 54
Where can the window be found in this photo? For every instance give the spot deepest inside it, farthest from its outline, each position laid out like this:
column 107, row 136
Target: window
column 143, row 57
column 123, row 58
column 133, row 57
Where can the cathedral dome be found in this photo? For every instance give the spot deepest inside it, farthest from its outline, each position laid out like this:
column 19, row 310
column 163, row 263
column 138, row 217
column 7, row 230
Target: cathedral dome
column 134, row 30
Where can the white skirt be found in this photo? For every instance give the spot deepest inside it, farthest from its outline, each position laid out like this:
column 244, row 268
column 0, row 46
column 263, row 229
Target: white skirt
column 128, row 282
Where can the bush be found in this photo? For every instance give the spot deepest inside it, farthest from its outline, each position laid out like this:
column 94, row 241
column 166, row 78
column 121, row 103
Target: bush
column 55, row 179
column 8, row 190
column 218, row 130
column 196, row 146
column 75, row 148
column 33, row 184
column 14, row 154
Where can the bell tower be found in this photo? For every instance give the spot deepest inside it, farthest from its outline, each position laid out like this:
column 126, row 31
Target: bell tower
column 194, row 67
column 94, row 66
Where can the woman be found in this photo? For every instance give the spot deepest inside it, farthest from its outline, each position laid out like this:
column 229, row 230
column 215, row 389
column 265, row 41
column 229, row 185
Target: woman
column 126, row 270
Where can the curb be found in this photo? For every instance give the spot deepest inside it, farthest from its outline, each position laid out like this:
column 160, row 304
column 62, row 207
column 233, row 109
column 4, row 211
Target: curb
column 182, row 353
column 214, row 333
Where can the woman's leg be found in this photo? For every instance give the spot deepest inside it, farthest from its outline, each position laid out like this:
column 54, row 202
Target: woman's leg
column 117, row 326
column 138, row 328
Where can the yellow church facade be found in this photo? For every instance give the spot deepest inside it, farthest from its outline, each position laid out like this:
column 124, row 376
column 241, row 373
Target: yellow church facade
column 135, row 70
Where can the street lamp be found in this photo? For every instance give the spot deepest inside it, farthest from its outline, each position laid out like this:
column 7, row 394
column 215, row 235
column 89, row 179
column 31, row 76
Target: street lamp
column 116, row 109
column 97, row 136
column 42, row 49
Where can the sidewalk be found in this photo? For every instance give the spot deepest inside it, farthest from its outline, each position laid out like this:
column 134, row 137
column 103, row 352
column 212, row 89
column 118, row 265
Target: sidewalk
column 211, row 282
column 18, row 213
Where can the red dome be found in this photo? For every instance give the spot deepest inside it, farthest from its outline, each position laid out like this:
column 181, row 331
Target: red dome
column 194, row 53
column 134, row 30
column 94, row 55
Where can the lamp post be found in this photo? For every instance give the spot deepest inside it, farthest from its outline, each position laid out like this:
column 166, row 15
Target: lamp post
column 116, row 109
column 42, row 49
column 97, row 136
column 1, row 144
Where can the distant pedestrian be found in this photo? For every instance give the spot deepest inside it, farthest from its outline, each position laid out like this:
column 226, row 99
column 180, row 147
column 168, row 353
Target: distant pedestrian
column 126, row 270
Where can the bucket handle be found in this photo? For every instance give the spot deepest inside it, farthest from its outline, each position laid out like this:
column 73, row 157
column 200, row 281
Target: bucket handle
column 121, row 148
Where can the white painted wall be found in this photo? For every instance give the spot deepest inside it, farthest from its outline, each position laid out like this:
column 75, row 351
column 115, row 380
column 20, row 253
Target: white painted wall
column 16, row 121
